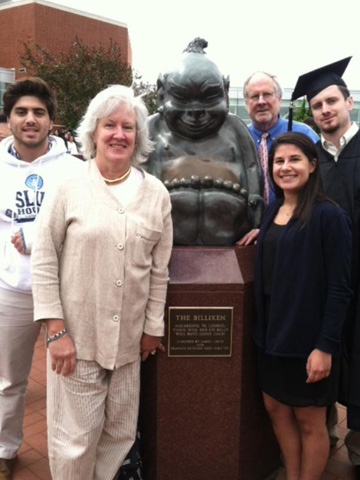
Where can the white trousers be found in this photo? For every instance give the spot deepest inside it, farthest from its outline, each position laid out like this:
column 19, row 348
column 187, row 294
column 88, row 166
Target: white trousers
column 92, row 420
column 18, row 334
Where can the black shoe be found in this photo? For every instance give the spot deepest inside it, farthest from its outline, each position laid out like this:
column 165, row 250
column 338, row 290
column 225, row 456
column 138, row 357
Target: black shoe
column 6, row 467
column 357, row 472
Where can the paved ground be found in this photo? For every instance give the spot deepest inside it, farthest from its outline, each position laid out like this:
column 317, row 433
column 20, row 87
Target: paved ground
column 33, row 460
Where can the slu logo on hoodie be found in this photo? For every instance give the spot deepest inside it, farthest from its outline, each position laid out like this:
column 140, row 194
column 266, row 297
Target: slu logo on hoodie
column 34, row 181
column 28, row 202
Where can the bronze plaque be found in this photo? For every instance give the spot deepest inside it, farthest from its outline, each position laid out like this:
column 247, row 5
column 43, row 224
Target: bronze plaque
column 200, row 331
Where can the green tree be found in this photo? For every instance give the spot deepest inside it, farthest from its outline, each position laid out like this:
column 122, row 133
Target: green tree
column 148, row 93
column 78, row 74
column 302, row 113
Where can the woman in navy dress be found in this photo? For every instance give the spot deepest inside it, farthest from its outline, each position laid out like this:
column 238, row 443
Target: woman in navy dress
column 302, row 291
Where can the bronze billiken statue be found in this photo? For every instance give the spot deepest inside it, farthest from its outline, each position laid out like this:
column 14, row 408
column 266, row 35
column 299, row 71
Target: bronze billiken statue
column 204, row 154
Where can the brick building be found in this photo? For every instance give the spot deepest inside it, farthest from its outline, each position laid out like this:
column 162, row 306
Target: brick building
column 53, row 27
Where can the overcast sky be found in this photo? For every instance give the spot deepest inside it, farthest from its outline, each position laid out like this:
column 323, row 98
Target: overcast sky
column 284, row 37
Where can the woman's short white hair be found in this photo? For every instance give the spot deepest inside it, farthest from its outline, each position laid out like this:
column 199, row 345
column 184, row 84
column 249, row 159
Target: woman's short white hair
column 104, row 104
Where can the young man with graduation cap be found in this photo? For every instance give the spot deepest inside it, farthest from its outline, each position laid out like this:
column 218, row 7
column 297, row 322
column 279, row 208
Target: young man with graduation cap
column 339, row 156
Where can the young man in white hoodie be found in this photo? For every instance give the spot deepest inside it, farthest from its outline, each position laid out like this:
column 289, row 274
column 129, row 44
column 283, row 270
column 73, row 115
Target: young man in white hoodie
column 32, row 164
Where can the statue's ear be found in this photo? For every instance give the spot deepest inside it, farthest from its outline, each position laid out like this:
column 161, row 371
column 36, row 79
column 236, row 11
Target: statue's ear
column 160, row 90
column 226, row 81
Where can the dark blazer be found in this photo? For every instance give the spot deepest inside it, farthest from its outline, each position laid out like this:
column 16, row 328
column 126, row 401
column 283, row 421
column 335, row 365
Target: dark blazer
column 341, row 182
column 311, row 284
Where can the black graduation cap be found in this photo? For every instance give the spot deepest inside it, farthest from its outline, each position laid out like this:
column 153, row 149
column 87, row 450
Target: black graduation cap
column 311, row 83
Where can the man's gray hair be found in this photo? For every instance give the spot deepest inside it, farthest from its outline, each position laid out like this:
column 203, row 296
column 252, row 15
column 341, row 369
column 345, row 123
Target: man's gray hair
column 104, row 104
column 278, row 89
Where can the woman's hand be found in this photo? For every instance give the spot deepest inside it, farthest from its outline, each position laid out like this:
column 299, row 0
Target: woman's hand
column 149, row 345
column 62, row 350
column 318, row 365
column 249, row 238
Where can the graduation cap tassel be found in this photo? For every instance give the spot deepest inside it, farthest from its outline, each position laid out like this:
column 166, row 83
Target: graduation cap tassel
column 290, row 118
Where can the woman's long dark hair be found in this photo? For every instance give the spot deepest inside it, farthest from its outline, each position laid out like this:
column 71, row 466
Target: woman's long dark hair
column 312, row 192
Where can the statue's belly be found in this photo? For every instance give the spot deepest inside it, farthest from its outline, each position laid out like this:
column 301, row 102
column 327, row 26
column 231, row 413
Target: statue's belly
column 209, row 201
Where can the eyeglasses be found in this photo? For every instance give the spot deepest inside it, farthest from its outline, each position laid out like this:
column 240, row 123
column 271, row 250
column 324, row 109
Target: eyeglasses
column 266, row 97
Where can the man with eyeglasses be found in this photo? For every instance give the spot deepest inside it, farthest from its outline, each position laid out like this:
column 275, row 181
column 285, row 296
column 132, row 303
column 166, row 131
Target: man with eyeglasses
column 263, row 96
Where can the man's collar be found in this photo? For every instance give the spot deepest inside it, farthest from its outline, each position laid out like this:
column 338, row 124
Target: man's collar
column 271, row 130
column 12, row 150
column 344, row 140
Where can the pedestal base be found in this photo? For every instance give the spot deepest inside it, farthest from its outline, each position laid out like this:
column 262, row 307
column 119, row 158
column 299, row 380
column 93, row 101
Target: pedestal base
column 203, row 418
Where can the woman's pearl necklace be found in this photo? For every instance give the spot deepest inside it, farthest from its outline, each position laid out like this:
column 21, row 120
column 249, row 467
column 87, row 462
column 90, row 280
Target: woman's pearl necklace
column 119, row 179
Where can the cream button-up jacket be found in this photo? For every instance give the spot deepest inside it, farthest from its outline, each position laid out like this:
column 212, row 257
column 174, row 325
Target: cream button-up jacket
column 103, row 267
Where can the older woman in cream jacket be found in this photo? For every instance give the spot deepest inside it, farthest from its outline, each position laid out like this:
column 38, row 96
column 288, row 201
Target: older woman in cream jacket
column 99, row 282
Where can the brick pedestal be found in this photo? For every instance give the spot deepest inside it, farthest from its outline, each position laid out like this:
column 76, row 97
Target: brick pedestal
column 203, row 418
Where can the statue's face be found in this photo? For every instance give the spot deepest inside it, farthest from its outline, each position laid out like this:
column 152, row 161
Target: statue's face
column 195, row 104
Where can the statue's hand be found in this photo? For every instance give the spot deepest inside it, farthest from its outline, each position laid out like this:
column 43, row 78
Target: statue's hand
column 256, row 208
